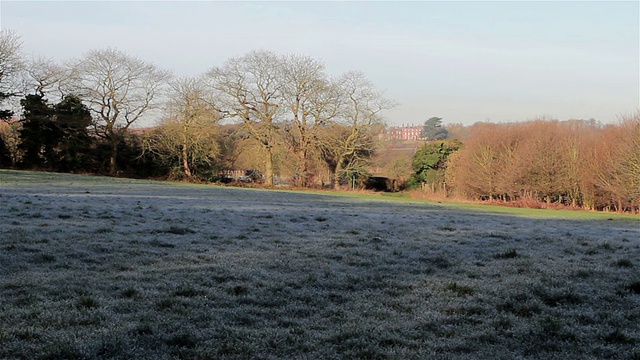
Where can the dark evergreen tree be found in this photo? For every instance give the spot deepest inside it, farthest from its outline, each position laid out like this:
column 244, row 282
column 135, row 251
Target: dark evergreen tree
column 433, row 129
column 39, row 134
column 55, row 137
column 74, row 147
column 5, row 155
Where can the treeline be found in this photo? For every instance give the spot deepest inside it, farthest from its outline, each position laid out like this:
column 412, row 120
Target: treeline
column 285, row 118
column 59, row 137
column 279, row 114
column 574, row 163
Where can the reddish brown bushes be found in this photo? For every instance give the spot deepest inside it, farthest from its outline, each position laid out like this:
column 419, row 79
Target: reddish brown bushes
column 573, row 163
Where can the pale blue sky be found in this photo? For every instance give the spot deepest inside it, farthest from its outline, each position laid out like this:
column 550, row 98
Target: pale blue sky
column 462, row 61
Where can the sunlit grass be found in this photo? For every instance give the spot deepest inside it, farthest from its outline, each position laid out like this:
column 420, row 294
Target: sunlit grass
column 25, row 177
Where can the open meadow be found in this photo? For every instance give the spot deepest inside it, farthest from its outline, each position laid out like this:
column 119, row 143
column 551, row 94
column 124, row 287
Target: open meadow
column 105, row 268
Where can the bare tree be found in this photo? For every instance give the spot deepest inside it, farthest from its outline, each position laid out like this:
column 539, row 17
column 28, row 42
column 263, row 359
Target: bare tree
column 11, row 64
column 351, row 143
column 487, row 166
column 189, row 132
column 541, row 161
column 248, row 88
column 312, row 102
column 230, row 145
column 119, row 89
column 43, row 76
column 617, row 165
column 574, row 162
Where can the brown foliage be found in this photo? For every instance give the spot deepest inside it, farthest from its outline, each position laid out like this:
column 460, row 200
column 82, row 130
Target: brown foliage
column 574, row 163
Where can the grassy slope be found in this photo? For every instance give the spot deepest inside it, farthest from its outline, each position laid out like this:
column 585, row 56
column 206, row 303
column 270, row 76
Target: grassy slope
column 490, row 209
column 496, row 209
column 94, row 267
column 24, row 177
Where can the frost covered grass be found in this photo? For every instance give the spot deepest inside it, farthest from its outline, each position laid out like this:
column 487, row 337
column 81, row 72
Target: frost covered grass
column 96, row 268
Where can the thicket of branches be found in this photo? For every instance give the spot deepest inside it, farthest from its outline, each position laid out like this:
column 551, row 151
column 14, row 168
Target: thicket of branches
column 577, row 163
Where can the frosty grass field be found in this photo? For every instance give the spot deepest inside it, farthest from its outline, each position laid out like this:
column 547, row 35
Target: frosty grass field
column 103, row 268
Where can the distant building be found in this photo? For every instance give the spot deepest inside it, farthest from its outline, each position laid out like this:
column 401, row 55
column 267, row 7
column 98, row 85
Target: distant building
column 404, row 132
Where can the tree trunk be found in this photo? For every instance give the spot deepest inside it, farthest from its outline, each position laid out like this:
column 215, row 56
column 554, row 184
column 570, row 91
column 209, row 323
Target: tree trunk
column 113, row 168
column 304, row 173
column 185, row 161
column 336, row 175
column 268, row 168
column 185, row 152
column 302, row 169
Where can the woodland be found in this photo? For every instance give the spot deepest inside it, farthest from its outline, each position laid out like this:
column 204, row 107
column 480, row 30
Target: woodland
column 285, row 119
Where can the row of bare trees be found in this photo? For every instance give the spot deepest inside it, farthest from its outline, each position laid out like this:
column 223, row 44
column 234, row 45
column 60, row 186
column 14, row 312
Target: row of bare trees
column 289, row 101
column 287, row 109
column 579, row 163
column 117, row 89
